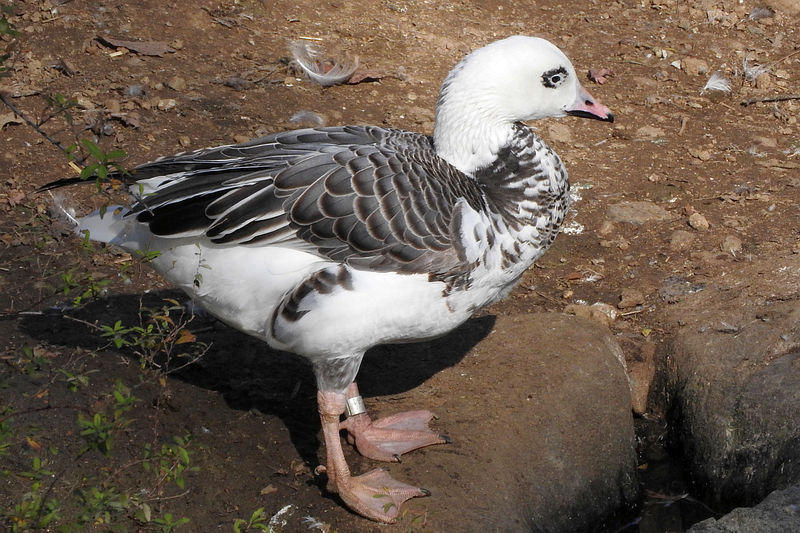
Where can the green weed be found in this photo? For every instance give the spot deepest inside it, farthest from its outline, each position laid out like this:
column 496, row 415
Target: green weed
column 98, row 506
column 157, row 337
column 170, row 462
column 78, row 380
column 104, row 162
column 7, row 433
column 89, row 287
column 258, row 520
column 99, row 430
column 6, row 30
column 168, row 524
column 35, row 510
column 31, row 361
column 58, row 104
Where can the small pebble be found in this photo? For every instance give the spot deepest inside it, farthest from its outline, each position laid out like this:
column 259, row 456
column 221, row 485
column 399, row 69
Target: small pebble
column 599, row 312
column 698, row 222
column 112, row 105
column 763, row 81
column 559, row 132
column 694, row 66
column 702, row 155
column 165, row 104
column 630, row 298
column 176, row 83
column 681, row 240
column 649, row 132
column 731, row 244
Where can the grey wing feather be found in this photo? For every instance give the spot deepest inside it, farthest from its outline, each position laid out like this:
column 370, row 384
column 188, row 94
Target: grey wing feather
column 370, row 197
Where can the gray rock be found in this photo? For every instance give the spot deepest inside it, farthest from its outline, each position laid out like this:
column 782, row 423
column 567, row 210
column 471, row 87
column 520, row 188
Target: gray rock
column 694, row 66
column 681, row 240
column 778, row 513
column 735, row 369
column 541, row 427
column 637, row 212
column 558, row 132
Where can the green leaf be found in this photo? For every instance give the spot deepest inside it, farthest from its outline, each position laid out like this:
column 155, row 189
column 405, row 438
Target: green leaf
column 88, row 171
column 93, row 149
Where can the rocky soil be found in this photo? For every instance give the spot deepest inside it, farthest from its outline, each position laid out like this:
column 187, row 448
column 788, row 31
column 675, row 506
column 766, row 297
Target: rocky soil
column 671, row 399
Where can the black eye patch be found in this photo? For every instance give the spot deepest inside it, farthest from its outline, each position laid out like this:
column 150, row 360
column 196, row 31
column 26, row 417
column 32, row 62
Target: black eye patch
column 554, row 77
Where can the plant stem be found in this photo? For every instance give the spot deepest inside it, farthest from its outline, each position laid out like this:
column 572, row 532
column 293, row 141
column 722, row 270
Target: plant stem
column 4, row 98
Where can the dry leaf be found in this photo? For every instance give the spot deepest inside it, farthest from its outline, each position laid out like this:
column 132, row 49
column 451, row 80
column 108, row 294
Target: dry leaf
column 9, row 118
column 366, row 75
column 15, row 197
column 269, row 489
column 600, row 75
column 147, row 48
column 186, row 336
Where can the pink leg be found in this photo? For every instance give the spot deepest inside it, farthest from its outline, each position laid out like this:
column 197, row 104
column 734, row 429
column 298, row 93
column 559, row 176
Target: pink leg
column 388, row 438
column 375, row 495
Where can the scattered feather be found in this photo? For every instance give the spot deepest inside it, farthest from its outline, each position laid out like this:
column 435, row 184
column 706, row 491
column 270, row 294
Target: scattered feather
column 761, row 13
column 307, row 118
column 751, row 72
column 326, row 72
column 572, row 228
column 717, row 82
column 61, row 210
column 754, row 151
column 134, row 90
column 313, row 523
column 278, row 520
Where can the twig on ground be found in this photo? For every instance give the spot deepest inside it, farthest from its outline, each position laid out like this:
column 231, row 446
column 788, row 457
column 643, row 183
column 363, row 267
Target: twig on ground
column 770, row 99
column 787, row 56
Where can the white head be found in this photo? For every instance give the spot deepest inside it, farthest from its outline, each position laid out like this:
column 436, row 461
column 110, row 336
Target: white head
column 515, row 79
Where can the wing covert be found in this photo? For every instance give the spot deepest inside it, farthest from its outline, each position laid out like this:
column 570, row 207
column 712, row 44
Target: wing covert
column 373, row 198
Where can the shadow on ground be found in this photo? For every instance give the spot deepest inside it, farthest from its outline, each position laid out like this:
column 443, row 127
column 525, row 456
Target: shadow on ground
column 251, row 375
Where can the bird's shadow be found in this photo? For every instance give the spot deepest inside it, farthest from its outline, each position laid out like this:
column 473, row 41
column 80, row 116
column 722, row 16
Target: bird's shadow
column 251, row 375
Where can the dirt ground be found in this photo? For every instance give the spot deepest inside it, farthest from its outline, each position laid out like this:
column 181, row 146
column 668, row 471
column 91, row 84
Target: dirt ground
column 725, row 175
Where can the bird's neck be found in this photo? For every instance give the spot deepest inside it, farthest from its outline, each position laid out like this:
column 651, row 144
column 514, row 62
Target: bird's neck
column 469, row 134
column 526, row 182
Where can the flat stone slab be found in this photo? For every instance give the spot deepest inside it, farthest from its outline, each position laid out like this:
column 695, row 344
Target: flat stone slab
column 637, row 212
column 778, row 513
column 541, row 426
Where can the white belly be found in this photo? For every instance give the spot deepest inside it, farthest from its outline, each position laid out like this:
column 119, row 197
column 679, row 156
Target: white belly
column 244, row 285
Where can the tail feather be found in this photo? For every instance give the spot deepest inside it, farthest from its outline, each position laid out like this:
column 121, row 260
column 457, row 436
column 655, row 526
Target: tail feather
column 111, row 226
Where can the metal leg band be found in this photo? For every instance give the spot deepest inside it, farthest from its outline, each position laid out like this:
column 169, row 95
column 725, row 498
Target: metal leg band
column 355, row 406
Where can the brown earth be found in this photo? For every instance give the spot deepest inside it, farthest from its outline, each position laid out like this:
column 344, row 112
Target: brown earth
column 725, row 175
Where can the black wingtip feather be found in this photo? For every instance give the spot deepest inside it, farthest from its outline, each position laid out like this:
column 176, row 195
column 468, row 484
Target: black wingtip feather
column 63, row 182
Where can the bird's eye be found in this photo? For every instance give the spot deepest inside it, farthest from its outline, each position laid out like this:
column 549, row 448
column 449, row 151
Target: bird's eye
column 553, row 78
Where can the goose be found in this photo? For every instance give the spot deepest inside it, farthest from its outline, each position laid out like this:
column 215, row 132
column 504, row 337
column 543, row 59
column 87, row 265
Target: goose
column 330, row 240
